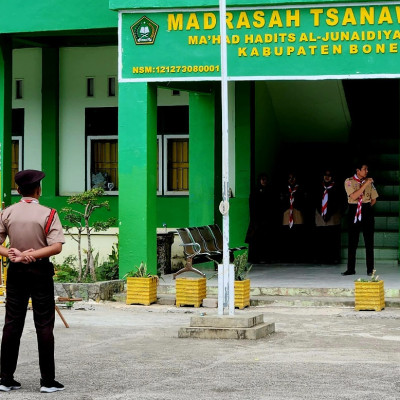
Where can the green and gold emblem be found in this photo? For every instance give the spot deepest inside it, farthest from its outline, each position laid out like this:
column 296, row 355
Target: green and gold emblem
column 144, row 31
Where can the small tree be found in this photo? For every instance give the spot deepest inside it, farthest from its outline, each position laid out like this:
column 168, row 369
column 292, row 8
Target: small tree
column 80, row 220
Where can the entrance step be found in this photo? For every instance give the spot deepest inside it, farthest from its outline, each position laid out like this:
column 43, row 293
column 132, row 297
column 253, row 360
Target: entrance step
column 387, row 207
column 388, row 192
column 386, row 176
column 385, row 223
column 384, row 146
column 381, row 239
column 293, row 301
column 389, row 161
column 381, row 255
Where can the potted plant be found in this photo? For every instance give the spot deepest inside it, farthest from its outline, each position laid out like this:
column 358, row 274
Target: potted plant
column 242, row 283
column 141, row 286
column 369, row 293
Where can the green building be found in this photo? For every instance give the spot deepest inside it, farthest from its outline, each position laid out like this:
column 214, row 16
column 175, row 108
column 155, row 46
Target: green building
column 127, row 93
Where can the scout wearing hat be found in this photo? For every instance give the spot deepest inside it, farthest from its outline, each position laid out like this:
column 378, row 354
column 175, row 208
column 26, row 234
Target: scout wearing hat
column 35, row 233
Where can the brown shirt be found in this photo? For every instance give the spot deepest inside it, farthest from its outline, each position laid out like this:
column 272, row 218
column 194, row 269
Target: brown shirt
column 297, row 217
column 24, row 224
column 351, row 186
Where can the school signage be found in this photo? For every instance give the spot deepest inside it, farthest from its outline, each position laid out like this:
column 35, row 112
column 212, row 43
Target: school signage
column 263, row 42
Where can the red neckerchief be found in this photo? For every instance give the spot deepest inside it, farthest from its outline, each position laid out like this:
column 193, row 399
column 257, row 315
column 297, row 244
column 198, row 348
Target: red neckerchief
column 360, row 200
column 324, row 207
column 291, row 200
column 26, row 200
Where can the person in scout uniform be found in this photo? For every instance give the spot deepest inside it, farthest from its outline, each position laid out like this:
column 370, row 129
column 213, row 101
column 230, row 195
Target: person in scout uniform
column 293, row 205
column 361, row 195
column 35, row 233
column 328, row 209
column 261, row 233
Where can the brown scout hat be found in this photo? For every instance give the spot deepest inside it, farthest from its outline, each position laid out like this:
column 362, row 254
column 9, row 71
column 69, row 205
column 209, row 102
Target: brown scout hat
column 28, row 177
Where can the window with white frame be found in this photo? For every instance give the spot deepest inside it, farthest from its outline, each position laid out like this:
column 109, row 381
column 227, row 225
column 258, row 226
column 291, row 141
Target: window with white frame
column 16, row 160
column 102, row 163
column 174, row 167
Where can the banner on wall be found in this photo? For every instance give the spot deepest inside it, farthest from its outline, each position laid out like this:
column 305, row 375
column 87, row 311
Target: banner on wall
column 284, row 42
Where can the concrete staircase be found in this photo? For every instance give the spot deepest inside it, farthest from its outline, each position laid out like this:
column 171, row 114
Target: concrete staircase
column 384, row 168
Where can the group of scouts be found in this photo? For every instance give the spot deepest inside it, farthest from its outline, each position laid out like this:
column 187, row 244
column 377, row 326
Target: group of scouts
column 295, row 224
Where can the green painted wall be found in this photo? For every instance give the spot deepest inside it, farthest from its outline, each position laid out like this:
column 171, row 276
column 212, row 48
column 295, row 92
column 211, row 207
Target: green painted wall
column 55, row 15
column 174, row 211
column 137, row 173
column 201, row 159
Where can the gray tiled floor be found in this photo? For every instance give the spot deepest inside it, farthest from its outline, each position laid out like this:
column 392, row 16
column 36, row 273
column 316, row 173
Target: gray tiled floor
column 306, row 276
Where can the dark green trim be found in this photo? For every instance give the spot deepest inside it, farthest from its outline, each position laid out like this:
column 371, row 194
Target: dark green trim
column 5, row 117
column 50, row 125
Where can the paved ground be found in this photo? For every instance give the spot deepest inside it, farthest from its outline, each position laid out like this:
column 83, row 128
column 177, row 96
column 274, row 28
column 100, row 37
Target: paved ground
column 114, row 351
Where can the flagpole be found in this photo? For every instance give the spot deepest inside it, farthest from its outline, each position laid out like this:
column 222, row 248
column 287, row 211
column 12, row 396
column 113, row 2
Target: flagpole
column 227, row 276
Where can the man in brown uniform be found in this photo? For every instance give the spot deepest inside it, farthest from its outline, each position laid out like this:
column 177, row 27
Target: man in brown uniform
column 35, row 233
column 361, row 195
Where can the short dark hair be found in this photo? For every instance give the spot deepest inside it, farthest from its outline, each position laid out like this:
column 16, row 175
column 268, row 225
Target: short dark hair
column 27, row 190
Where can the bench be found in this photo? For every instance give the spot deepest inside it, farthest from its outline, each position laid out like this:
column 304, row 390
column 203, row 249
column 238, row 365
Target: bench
column 202, row 244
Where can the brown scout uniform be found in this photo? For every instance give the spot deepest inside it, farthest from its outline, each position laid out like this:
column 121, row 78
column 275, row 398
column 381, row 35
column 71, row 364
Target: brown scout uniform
column 30, row 216
column 366, row 225
column 25, row 223
column 351, row 186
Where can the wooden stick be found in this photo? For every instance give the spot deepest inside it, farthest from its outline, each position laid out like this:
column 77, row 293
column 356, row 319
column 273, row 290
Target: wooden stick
column 63, row 299
column 62, row 318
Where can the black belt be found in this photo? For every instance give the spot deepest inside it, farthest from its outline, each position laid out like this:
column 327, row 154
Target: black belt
column 44, row 260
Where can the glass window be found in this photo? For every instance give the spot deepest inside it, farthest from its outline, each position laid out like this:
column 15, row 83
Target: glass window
column 103, row 162
column 16, row 159
column 176, row 164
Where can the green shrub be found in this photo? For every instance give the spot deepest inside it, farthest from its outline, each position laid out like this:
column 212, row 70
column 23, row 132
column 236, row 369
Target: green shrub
column 66, row 272
column 242, row 267
column 109, row 270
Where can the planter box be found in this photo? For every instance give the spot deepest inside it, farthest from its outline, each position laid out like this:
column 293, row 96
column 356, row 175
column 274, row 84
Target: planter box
column 242, row 294
column 190, row 291
column 141, row 290
column 90, row 291
column 369, row 296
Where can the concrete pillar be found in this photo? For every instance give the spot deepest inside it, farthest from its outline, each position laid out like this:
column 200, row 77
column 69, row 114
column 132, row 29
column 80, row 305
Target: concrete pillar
column 201, row 159
column 239, row 211
column 137, row 152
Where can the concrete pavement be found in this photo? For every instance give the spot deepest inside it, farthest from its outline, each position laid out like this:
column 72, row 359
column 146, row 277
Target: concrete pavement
column 115, row 351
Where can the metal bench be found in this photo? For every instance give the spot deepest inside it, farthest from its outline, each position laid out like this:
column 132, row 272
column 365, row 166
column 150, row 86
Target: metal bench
column 202, row 244
column 195, row 250
column 216, row 232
